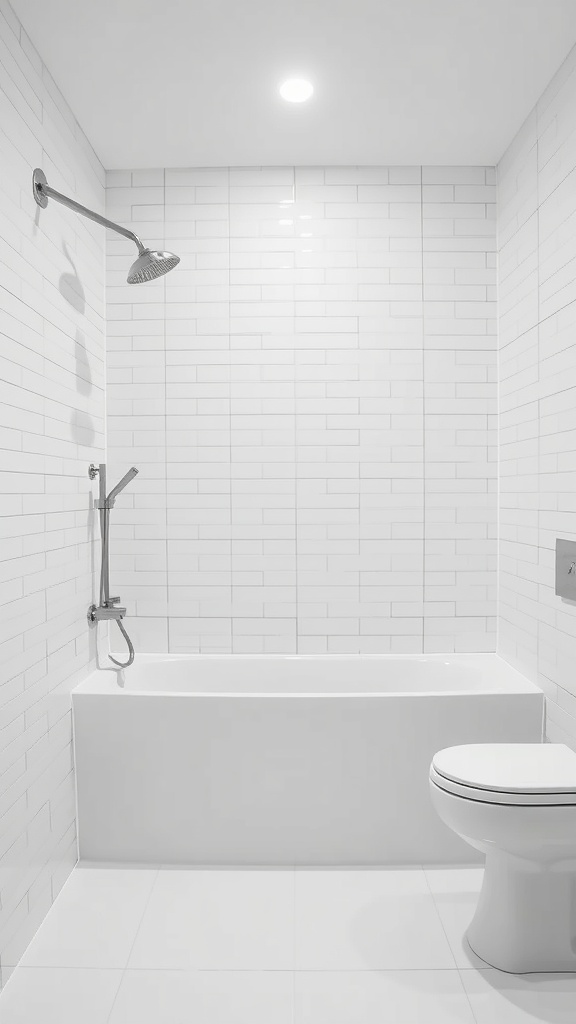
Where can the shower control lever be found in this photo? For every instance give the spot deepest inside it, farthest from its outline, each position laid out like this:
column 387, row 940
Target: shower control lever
column 106, row 611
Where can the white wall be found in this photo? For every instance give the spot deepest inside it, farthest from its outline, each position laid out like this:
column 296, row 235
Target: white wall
column 51, row 427
column 310, row 398
column 537, row 294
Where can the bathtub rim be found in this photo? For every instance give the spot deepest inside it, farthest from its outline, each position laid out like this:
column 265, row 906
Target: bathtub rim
column 106, row 681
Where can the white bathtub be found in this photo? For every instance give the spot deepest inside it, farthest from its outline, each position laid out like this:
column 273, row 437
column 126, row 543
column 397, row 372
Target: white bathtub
column 283, row 760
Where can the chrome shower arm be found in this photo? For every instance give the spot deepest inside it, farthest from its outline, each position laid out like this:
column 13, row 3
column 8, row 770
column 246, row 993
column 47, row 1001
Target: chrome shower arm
column 43, row 191
column 149, row 264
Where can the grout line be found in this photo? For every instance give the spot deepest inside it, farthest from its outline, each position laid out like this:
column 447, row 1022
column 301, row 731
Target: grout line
column 424, row 523
column 294, row 947
column 143, row 915
column 465, row 991
column 433, row 895
column 538, row 407
column 267, row 970
column 296, row 465
column 125, row 968
column 166, row 545
column 230, row 446
column 498, row 422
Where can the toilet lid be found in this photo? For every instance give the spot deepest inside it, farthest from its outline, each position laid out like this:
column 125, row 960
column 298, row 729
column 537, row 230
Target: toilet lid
column 532, row 773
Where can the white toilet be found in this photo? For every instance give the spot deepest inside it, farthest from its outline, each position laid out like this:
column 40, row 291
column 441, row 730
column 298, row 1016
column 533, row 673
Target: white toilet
column 516, row 803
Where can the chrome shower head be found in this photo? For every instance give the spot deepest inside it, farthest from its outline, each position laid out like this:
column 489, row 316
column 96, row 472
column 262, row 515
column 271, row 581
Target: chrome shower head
column 150, row 265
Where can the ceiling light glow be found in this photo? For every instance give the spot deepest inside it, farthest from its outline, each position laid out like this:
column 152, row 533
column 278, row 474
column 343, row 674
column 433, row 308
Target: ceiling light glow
column 296, row 90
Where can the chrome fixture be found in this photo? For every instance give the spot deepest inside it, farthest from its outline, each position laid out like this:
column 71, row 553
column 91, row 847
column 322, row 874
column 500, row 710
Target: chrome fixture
column 149, row 265
column 108, row 607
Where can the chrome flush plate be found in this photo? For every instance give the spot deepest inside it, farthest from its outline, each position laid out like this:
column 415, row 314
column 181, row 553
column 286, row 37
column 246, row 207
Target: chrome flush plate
column 566, row 569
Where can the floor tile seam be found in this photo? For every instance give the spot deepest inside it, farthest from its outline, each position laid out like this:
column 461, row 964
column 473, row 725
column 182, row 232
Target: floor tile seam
column 440, row 919
column 193, row 971
column 66, row 967
column 116, row 994
column 294, row 944
column 137, row 932
column 142, row 916
column 270, row 970
column 466, row 993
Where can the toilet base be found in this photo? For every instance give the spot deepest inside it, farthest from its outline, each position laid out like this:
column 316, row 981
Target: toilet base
column 525, row 921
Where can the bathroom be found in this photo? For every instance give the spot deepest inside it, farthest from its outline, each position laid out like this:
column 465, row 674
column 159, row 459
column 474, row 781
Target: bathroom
column 287, row 363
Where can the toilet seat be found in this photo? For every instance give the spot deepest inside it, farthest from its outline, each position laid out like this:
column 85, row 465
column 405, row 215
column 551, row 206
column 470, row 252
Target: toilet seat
column 535, row 774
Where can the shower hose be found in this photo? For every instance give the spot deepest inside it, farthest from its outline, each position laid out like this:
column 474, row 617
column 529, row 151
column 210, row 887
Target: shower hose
column 124, row 664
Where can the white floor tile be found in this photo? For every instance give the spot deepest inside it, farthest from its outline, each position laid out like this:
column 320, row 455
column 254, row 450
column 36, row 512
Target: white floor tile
column 367, row 920
column 456, row 893
column 223, row 920
column 56, row 995
column 94, row 921
column 206, row 997
column 380, row 997
column 498, row 998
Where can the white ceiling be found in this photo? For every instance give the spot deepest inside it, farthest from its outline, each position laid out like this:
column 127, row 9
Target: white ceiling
column 194, row 82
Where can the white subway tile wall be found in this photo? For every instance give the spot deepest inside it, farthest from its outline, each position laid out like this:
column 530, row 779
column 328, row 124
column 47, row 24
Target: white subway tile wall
column 537, row 299
column 310, row 397
column 51, row 427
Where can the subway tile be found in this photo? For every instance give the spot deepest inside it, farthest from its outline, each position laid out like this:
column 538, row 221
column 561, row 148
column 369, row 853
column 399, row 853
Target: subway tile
column 51, row 428
column 289, row 502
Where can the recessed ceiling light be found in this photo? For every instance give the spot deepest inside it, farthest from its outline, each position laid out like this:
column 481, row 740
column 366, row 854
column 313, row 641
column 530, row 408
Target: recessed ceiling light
column 296, row 90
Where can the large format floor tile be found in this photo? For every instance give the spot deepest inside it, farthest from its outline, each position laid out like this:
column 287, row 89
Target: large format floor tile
column 367, row 920
column 498, row 998
column 56, row 995
column 271, row 947
column 94, row 921
column 205, row 997
column 380, row 997
column 221, row 920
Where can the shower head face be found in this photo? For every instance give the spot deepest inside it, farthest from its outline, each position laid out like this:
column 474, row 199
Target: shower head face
column 150, row 265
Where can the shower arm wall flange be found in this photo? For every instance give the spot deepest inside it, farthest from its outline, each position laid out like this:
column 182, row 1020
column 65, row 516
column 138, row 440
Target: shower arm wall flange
column 43, row 191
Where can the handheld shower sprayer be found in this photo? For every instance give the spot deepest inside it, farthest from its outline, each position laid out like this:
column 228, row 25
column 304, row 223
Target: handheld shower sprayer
column 108, row 607
column 111, row 498
column 149, row 264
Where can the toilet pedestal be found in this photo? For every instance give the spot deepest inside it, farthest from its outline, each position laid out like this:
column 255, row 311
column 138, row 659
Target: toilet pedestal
column 526, row 916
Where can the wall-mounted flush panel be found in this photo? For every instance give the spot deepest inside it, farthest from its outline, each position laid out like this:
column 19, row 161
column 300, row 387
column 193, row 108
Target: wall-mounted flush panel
column 566, row 569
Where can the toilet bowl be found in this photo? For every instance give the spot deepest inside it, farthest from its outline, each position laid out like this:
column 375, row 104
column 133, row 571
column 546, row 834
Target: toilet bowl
column 516, row 803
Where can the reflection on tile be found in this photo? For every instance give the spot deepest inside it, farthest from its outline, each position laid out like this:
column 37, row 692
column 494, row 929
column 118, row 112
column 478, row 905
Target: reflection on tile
column 209, row 997
column 451, row 880
column 367, row 920
column 222, row 920
column 380, row 997
column 53, row 995
column 498, row 998
column 455, row 893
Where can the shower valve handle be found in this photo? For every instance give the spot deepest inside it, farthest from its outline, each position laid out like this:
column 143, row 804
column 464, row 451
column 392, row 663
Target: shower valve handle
column 105, row 612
